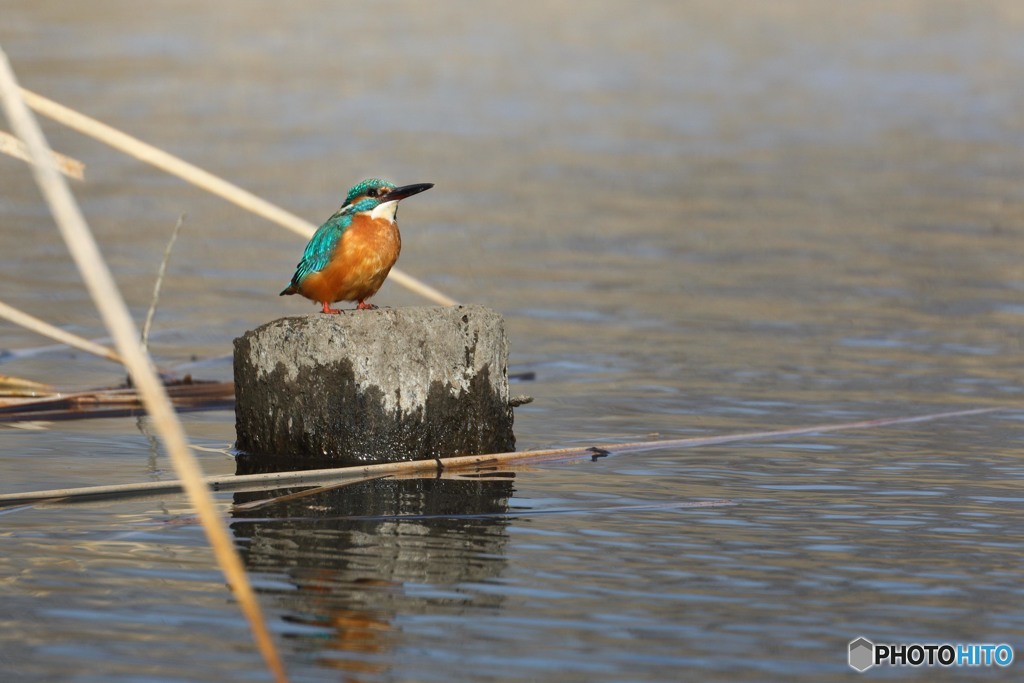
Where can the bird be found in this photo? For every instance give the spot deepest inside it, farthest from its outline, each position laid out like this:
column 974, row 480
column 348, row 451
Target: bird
column 350, row 255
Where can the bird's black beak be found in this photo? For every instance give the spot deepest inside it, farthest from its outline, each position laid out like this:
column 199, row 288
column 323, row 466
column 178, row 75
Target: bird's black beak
column 405, row 191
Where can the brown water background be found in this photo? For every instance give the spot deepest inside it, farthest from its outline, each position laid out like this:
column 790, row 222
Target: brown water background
column 696, row 218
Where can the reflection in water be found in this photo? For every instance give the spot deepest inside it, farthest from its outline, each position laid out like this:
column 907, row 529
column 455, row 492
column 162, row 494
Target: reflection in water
column 360, row 555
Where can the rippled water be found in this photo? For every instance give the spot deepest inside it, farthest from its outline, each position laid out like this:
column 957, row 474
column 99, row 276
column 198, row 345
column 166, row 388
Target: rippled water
column 695, row 221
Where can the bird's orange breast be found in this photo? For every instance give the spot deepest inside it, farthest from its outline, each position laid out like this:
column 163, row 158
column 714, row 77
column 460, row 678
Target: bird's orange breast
column 360, row 263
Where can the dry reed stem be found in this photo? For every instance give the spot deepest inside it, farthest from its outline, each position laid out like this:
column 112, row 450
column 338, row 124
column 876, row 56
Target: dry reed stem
column 470, row 462
column 114, row 312
column 30, row 322
column 12, row 146
column 203, row 179
column 160, row 281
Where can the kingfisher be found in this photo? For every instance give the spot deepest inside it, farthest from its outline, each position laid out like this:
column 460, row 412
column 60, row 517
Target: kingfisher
column 350, row 255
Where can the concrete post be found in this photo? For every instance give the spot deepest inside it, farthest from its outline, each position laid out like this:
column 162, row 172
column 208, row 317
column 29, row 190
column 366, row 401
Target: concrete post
column 373, row 386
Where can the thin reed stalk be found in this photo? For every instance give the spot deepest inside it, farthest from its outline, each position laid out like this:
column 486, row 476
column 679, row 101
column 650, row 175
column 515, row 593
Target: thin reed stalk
column 203, row 179
column 115, row 315
column 160, row 281
column 30, row 322
column 12, row 146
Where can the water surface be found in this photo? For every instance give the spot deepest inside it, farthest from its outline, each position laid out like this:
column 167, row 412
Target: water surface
column 694, row 220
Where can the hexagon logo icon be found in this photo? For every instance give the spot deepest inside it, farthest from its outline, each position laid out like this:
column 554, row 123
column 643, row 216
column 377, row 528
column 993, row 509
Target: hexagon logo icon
column 862, row 654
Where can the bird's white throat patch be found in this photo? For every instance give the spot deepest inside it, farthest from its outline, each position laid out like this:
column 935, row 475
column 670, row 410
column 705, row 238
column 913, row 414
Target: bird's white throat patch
column 387, row 210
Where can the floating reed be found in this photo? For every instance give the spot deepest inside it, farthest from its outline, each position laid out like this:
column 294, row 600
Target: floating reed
column 114, row 312
column 26, row 404
column 464, row 462
column 23, row 389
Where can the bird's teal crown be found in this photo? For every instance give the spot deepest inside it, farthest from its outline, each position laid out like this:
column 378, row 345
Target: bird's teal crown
column 362, row 197
column 372, row 187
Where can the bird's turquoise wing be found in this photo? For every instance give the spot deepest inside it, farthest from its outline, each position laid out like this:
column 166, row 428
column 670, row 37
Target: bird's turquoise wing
column 321, row 245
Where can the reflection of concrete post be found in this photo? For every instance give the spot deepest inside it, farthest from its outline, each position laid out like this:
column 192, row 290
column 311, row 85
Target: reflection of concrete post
column 349, row 553
column 374, row 386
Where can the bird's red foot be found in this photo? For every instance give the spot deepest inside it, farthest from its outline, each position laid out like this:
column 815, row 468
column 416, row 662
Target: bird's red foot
column 328, row 309
column 363, row 306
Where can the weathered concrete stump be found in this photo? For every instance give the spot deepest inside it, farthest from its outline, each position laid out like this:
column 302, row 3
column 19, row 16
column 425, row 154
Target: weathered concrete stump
column 373, row 386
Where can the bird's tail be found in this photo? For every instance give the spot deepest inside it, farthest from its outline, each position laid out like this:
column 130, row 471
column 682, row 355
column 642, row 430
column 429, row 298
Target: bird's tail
column 290, row 289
